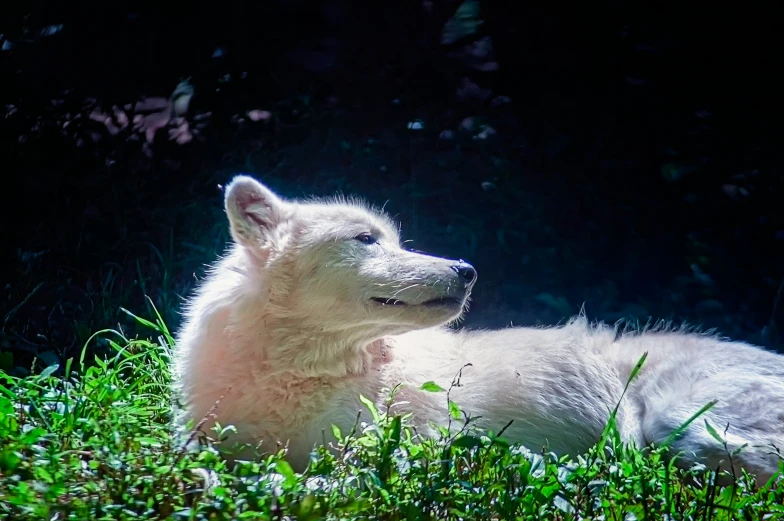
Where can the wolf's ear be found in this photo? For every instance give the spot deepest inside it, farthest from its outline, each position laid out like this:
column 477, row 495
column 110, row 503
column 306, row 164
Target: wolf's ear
column 254, row 212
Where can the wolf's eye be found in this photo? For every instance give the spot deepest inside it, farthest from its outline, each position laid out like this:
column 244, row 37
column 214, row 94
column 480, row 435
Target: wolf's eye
column 366, row 238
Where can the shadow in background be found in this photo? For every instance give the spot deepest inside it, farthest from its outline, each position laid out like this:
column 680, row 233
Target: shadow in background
column 634, row 170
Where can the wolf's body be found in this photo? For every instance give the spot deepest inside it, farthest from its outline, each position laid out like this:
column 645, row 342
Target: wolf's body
column 317, row 303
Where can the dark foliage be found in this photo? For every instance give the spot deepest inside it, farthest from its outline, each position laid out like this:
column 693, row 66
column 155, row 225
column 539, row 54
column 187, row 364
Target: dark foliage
column 635, row 168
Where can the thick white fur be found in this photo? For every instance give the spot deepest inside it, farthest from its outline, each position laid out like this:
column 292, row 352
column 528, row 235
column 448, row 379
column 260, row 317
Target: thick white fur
column 284, row 332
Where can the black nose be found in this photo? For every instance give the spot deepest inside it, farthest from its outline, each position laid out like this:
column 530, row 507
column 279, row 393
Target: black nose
column 466, row 272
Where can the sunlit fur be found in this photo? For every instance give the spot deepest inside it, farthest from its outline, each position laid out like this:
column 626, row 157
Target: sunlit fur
column 285, row 333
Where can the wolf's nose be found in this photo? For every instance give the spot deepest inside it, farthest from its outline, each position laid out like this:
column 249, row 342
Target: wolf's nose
column 466, row 272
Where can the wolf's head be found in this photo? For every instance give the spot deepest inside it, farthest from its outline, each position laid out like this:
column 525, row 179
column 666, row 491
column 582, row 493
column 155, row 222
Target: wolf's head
column 338, row 267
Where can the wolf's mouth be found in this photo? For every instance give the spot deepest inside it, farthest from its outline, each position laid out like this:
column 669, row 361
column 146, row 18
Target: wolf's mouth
column 388, row 301
column 436, row 302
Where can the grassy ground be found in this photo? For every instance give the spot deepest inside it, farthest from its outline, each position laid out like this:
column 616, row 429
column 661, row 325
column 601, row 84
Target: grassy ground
column 97, row 445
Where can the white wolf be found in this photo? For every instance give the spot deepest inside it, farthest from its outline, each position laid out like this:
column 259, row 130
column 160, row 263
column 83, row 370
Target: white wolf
column 317, row 303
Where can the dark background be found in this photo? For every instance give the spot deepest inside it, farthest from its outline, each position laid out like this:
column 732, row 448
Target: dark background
column 624, row 158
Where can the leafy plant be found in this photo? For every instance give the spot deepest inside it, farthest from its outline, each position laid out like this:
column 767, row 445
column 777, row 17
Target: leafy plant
column 97, row 444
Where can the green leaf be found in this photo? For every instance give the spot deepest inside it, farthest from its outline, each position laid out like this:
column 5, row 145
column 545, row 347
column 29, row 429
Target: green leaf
column 467, row 442
column 454, row 410
column 637, row 368
column 49, row 370
column 431, row 387
column 141, row 320
column 394, row 436
column 336, row 432
column 713, row 432
column 32, row 436
column 9, row 460
column 674, row 435
column 285, row 469
column 148, row 441
column 372, row 408
column 307, row 506
column 739, row 449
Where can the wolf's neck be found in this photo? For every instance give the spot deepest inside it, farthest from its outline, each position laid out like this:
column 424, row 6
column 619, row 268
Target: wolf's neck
column 321, row 354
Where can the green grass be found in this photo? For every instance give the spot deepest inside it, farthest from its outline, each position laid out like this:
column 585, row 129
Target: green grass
column 96, row 444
